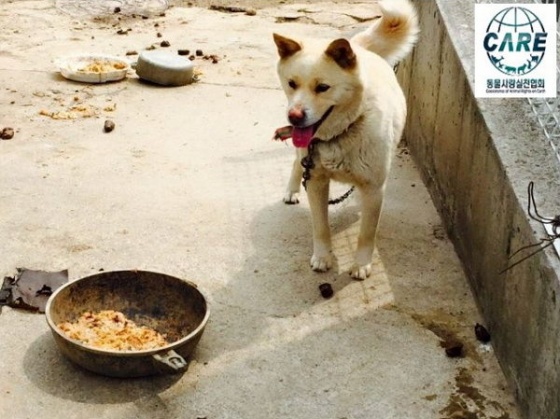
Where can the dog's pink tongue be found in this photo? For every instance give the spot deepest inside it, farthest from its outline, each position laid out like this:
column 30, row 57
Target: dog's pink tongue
column 301, row 137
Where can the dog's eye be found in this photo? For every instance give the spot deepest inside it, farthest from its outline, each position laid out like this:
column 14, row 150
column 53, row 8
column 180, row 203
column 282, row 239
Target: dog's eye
column 292, row 84
column 322, row 87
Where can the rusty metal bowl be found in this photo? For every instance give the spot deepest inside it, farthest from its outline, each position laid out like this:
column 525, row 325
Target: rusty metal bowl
column 169, row 305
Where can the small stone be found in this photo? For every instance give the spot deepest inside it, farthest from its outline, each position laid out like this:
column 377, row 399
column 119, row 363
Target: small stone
column 199, row 53
column 326, row 290
column 165, row 44
column 7, row 133
column 132, row 52
column 117, row 10
column 482, row 333
column 108, row 126
column 183, row 52
column 159, row 34
column 250, row 12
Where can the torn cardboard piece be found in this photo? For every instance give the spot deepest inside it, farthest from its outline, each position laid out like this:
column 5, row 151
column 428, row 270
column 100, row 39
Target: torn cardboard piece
column 30, row 289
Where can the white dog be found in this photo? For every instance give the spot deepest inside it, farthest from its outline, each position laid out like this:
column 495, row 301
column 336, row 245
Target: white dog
column 347, row 111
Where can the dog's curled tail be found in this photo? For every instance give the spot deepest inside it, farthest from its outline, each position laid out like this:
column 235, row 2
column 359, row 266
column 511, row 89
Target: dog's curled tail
column 394, row 34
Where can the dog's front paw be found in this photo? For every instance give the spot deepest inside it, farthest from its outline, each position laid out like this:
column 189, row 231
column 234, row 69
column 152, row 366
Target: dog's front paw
column 360, row 272
column 321, row 263
column 291, row 198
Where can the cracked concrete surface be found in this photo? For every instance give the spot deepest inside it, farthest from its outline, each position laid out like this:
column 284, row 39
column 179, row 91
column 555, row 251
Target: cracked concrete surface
column 191, row 185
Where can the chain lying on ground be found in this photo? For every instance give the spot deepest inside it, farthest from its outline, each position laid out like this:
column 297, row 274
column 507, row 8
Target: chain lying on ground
column 308, row 164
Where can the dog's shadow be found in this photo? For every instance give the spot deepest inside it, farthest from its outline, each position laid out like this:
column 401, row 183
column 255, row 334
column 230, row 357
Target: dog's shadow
column 275, row 279
column 282, row 238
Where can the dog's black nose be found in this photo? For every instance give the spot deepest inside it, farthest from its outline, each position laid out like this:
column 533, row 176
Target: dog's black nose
column 296, row 116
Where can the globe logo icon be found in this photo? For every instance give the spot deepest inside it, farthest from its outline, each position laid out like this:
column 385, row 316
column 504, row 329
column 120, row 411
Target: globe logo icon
column 515, row 41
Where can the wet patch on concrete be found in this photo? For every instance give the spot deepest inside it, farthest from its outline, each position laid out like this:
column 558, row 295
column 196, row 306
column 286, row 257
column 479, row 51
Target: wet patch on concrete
column 467, row 401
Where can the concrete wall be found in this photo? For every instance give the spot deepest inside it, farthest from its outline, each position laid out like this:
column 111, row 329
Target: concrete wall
column 477, row 158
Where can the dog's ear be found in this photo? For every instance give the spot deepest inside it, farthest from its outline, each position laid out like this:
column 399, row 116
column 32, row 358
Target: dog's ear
column 286, row 46
column 341, row 52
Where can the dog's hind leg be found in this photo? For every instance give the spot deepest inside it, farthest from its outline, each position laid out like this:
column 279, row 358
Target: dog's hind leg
column 318, row 196
column 294, row 185
column 372, row 200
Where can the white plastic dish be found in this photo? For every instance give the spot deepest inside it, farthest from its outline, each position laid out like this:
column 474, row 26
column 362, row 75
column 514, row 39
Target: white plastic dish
column 93, row 68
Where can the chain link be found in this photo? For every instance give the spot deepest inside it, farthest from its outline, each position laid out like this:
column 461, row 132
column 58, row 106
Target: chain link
column 308, row 164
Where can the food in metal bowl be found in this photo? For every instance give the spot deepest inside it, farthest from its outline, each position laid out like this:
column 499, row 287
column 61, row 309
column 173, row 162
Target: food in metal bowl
column 110, row 329
column 154, row 302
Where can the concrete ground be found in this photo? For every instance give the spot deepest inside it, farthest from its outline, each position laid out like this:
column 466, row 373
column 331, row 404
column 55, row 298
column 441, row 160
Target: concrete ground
column 190, row 184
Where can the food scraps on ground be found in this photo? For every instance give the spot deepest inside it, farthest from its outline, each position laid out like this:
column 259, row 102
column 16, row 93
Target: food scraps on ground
column 112, row 330
column 78, row 111
column 110, row 108
column 74, row 112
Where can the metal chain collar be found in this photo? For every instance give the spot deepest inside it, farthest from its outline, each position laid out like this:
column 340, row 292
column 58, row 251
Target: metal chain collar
column 308, row 164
